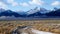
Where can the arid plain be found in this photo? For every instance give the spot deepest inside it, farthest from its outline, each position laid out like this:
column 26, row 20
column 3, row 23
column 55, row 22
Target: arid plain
column 43, row 25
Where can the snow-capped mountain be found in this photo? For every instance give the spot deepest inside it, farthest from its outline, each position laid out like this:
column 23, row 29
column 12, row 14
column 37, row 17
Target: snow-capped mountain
column 36, row 12
column 40, row 10
column 33, row 10
column 55, row 9
column 43, row 10
column 53, row 13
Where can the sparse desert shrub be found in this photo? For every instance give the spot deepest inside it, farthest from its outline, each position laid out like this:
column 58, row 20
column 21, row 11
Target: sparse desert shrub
column 7, row 26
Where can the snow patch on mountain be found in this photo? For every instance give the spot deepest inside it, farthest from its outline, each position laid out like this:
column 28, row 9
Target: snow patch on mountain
column 33, row 10
column 37, row 9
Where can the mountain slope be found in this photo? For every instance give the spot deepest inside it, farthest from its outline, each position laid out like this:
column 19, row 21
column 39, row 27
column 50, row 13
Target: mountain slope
column 54, row 13
column 10, row 13
column 37, row 12
column 2, row 10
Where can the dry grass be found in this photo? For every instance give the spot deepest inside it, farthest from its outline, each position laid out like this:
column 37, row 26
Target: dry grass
column 43, row 25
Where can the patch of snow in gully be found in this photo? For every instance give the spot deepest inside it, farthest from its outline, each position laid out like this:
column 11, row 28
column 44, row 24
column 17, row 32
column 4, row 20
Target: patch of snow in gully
column 41, row 32
column 24, row 33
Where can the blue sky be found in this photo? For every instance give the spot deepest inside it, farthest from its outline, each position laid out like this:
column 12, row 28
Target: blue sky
column 25, row 5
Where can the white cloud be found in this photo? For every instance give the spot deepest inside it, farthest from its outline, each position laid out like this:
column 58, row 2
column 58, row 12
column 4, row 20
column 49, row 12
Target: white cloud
column 37, row 2
column 55, row 3
column 32, row 2
column 3, row 5
column 24, row 4
column 12, row 2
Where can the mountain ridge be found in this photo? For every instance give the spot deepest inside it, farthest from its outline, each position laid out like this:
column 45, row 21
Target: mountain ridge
column 36, row 12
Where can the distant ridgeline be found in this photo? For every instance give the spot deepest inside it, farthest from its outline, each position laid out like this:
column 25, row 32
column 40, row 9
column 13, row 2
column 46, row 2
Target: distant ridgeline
column 42, row 13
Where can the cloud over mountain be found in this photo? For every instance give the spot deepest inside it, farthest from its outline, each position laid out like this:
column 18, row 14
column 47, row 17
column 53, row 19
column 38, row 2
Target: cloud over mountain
column 2, row 5
column 36, row 2
column 55, row 3
column 32, row 2
column 26, row 5
column 12, row 2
